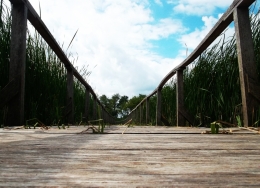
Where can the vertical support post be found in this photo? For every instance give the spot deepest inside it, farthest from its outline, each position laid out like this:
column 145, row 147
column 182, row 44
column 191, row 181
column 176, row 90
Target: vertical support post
column 159, row 107
column 87, row 98
column 141, row 113
column 180, row 98
column 147, row 112
column 94, row 109
column 15, row 114
column 70, row 96
column 102, row 113
column 246, row 63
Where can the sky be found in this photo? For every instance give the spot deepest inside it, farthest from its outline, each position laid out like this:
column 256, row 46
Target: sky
column 129, row 45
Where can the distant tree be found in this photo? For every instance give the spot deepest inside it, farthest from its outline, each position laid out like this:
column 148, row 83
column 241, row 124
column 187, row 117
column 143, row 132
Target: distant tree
column 104, row 101
column 119, row 106
column 123, row 111
column 134, row 101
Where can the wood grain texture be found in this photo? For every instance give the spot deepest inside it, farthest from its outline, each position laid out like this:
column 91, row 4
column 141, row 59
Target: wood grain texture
column 63, row 158
column 15, row 113
column 246, row 63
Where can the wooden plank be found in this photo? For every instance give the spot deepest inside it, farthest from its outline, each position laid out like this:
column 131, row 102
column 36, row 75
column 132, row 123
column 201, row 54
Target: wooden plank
column 15, row 113
column 246, row 63
column 10, row 91
column 159, row 107
column 61, row 158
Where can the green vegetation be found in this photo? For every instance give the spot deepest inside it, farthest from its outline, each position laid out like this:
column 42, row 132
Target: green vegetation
column 45, row 92
column 211, row 84
column 119, row 106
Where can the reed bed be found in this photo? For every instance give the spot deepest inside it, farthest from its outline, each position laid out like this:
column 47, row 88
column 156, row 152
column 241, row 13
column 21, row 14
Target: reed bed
column 211, row 83
column 45, row 88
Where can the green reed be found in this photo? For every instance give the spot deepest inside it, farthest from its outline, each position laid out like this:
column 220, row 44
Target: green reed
column 45, row 87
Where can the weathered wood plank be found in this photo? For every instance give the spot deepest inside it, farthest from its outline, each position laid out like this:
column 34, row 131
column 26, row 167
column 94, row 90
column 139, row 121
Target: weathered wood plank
column 62, row 158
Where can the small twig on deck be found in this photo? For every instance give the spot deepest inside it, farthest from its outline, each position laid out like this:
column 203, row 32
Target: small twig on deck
column 226, row 123
column 127, row 125
column 250, row 129
column 14, row 128
column 94, row 129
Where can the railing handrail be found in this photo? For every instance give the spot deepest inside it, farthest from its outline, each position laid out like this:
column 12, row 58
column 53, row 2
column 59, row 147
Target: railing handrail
column 218, row 28
column 42, row 29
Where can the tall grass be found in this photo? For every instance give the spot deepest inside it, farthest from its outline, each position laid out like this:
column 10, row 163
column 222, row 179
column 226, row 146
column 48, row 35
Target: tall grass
column 45, row 88
column 211, row 83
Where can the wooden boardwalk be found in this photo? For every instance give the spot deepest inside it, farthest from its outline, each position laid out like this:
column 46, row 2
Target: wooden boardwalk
column 141, row 157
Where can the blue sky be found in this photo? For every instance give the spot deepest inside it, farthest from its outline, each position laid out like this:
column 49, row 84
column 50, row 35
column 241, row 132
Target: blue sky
column 130, row 45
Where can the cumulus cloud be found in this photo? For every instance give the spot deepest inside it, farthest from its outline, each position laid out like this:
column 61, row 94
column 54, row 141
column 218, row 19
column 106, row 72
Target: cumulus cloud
column 158, row 2
column 192, row 39
column 115, row 36
column 198, row 7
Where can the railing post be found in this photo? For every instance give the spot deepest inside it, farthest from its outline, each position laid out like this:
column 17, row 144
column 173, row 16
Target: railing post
column 70, row 97
column 15, row 114
column 147, row 111
column 180, row 98
column 87, row 98
column 159, row 107
column 247, row 66
column 94, row 109
column 141, row 113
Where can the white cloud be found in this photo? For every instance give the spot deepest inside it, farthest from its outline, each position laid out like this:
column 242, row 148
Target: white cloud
column 192, row 40
column 158, row 2
column 115, row 35
column 198, row 7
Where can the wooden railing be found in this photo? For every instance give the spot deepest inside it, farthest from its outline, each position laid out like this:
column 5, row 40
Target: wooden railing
column 13, row 93
column 250, row 88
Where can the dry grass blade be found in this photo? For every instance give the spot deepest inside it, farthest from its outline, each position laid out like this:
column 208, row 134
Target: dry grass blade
column 128, row 124
column 250, row 129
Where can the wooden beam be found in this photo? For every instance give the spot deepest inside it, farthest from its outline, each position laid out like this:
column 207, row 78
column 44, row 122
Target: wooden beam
column 180, row 98
column 70, row 97
column 147, row 121
column 87, row 102
column 159, row 107
column 39, row 25
column 253, row 88
column 219, row 27
column 94, row 109
column 246, row 62
column 15, row 114
column 187, row 116
column 141, row 113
